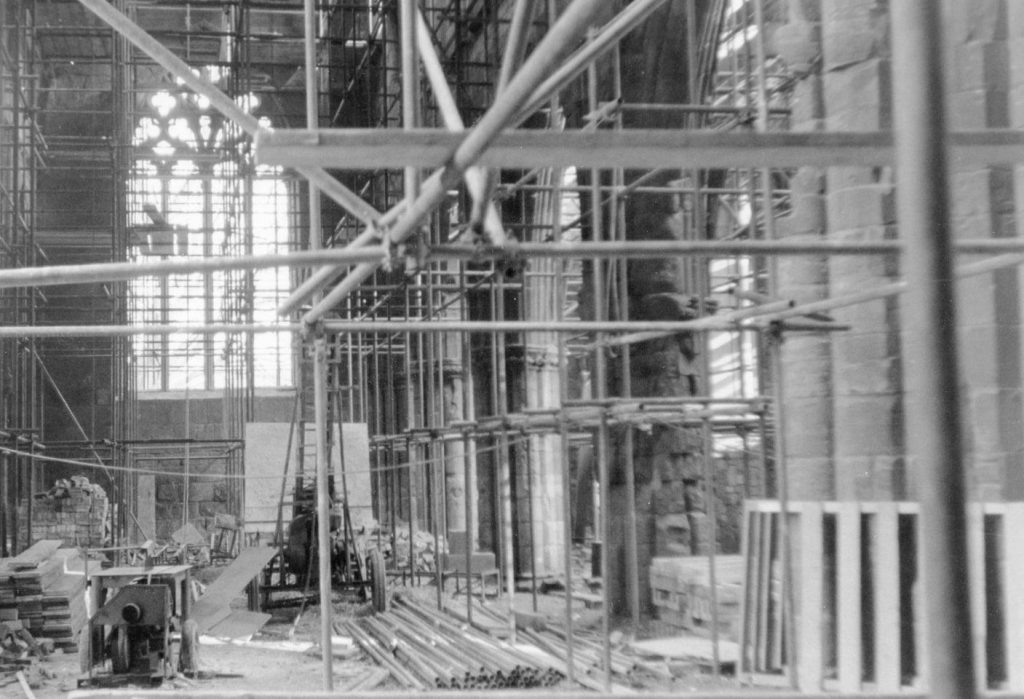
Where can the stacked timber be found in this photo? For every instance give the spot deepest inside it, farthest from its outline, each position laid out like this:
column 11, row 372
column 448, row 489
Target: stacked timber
column 43, row 589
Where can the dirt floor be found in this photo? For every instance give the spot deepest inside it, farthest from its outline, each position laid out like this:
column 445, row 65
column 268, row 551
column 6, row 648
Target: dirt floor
column 285, row 656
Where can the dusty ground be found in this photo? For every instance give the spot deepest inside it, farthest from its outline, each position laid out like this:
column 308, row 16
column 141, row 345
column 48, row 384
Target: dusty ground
column 247, row 667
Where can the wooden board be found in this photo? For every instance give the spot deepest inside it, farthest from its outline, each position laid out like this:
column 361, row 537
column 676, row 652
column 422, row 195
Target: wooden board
column 145, row 508
column 266, row 450
column 849, row 602
column 687, row 647
column 811, row 585
column 888, row 666
column 240, row 623
column 230, row 585
column 35, row 554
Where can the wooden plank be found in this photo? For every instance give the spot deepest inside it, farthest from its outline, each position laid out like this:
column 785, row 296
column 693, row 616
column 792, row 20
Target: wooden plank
column 919, row 615
column 266, row 450
column 219, row 595
column 764, row 594
column 976, row 579
column 849, row 640
column 1013, row 572
column 35, row 554
column 362, row 149
column 240, row 623
column 811, row 575
column 778, row 594
column 743, row 662
column 145, row 507
column 886, row 566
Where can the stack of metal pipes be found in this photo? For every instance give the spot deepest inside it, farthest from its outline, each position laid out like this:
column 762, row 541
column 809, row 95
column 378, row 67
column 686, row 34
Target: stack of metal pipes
column 423, row 648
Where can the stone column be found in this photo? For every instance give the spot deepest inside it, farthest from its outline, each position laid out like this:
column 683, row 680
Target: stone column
column 806, row 357
column 981, row 90
column 867, row 380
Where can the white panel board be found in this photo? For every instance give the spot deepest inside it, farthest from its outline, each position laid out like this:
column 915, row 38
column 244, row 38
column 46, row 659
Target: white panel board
column 266, row 445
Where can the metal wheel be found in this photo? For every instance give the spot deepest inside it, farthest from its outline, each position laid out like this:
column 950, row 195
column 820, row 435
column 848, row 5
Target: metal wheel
column 120, row 650
column 378, row 580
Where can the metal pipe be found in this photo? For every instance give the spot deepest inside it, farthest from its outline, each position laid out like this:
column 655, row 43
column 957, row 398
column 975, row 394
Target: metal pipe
column 370, row 149
column 323, row 505
column 475, row 176
column 145, row 42
column 551, row 49
column 55, row 275
column 601, row 42
column 410, row 86
column 515, row 47
column 933, row 422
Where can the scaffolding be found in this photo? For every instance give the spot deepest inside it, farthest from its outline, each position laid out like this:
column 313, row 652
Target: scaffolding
column 478, row 371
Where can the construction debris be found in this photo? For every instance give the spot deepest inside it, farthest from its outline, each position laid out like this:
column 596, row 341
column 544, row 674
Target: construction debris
column 73, row 512
column 423, row 554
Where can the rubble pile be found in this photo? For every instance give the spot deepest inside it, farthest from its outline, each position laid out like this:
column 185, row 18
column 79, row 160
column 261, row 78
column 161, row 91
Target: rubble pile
column 422, row 549
column 74, row 511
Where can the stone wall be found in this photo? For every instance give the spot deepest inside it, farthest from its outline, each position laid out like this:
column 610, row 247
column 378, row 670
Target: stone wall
column 75, row 511
column 165, row 416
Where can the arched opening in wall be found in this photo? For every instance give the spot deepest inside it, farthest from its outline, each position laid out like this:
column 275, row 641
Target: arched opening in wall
column 195, row 192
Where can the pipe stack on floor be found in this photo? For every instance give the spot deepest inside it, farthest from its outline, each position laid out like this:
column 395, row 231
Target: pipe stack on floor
column 424, row 648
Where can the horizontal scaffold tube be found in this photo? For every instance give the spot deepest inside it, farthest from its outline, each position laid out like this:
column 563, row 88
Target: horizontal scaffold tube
column 373, row 149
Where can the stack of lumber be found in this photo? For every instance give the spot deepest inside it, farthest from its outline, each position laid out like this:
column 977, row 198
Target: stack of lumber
column 44, row 589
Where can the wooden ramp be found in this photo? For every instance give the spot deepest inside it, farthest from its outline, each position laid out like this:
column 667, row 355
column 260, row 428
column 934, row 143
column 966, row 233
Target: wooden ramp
column 215, row 605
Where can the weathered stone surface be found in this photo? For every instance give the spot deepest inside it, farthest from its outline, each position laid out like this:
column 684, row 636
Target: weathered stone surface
column 867, row 425
column 857, row 98
column 799, row 45
column 810, row 478
column 861, row 207
column 807, row 424
column 868, row 377
column 980, row 65
column 979, row 108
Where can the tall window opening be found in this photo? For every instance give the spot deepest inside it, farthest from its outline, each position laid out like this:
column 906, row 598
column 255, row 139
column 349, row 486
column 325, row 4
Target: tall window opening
column 196, row 192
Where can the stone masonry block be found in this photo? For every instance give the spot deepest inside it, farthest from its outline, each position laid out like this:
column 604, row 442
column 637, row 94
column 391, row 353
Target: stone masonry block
column 858, row 97
column 986, row 20
column 980, row 191
column 868, row 377
column 979, row 109
column 861, row 207
column 799, row 45
column 854, row 478
column 810, row 180
column 857, row 346
column 807, row 104
column 870, row 316
column 985, row 409
column 867, row 425
column 848, row 43
column 808, row 428
column 806, row 375
column 808, row 214
column 1015, row 105
column 858, row 12
column 802, row 277
column 810, row 478
column 981, row 66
